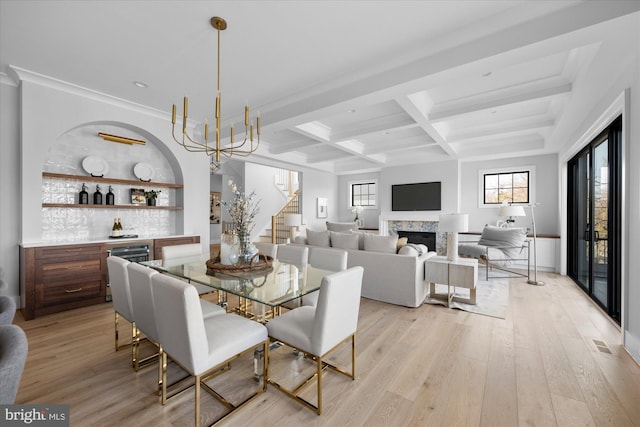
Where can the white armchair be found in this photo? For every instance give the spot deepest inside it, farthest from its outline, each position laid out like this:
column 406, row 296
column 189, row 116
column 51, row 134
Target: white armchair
column 319, row 330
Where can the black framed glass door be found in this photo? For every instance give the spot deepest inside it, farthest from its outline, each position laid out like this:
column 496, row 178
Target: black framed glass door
column 594, row 219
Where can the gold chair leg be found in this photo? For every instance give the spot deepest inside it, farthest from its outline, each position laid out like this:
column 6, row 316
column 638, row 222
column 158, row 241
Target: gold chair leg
column 163, row 368
column 134, row 334
column 197, row 385
column 116, row 328
column 160, row 370
column 353, row 356
column 319, row 369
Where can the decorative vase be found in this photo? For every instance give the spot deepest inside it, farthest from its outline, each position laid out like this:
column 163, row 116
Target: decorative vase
column 244, row 245
column 228, row 249
column 151, row 202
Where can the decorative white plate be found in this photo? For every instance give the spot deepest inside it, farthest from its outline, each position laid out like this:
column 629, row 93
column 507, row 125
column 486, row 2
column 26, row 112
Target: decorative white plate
column 144, row 171
column 95, row 166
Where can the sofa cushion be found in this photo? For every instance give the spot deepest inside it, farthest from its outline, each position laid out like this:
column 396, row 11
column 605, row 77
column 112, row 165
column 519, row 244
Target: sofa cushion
column 360, row 235
column 342, row 226
column 408, row 250
column 344, row 240
column 318, row 238
column 508, row 239
column 385, row 244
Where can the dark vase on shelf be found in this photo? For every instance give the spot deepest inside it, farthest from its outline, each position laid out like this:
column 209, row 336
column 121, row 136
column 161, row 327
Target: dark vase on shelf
column 83, row 197
column 151, row 202
column 110, row 196
column 97, row 196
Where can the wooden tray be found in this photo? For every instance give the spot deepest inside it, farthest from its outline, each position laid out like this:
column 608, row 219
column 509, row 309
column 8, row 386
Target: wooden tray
column 258, row 262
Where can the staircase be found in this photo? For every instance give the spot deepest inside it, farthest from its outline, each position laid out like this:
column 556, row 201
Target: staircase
column 287, row 182
column 279, row 233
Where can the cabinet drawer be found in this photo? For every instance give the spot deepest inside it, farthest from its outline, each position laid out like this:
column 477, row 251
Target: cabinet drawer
column 70, row 270
column 61, row 293
column 70, row 252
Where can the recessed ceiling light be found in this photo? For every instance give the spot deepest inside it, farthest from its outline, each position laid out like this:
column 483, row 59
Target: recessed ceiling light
column 352, row 110
column 387, row 132
column 494, row 112
column 487, row 74
column 140, row 84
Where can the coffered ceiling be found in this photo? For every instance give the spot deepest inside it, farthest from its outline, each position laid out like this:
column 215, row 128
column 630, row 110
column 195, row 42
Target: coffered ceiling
column 346, row 86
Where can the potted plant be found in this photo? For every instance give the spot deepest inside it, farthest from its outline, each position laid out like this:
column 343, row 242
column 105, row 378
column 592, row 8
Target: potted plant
column 151, row 196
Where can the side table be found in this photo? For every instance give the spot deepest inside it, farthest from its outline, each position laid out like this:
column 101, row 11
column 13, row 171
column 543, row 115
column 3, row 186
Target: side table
column 462, row 272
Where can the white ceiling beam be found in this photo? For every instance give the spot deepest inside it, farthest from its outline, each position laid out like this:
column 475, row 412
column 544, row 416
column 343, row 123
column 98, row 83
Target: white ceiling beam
column 410, row 105
column 490, row 101
column 513, row 127
column 284, row 147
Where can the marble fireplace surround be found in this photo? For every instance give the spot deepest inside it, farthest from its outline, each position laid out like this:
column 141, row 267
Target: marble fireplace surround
column 389, row 223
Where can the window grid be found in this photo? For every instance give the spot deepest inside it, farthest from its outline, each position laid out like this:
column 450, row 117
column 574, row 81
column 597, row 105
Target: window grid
column 363, row 194
column 512, row 187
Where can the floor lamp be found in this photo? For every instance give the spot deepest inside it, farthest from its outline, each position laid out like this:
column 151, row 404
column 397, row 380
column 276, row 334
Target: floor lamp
column 535, row 251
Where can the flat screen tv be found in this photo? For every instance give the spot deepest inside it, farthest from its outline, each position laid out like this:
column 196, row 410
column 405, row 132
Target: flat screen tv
column 422, row 196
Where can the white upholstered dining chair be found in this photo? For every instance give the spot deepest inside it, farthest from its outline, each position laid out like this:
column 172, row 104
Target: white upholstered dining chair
column 325, row 259
column 319, row 330
column 178, row 254
column 202, row 346
column 270, row 249
column 293, row 254
column 121, row 298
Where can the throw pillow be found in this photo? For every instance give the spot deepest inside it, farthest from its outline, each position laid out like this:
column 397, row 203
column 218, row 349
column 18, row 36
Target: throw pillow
column 386, row 244
column 342, row 226
column 401, row 242
column 344, row 240
column 317, row 238
column 408, row 250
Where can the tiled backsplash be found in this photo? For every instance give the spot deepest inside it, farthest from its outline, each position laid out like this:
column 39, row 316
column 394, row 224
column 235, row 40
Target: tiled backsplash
column 77, row 224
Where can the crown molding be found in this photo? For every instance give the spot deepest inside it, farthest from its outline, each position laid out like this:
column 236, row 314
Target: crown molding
column 6, row 80
column 23, row 75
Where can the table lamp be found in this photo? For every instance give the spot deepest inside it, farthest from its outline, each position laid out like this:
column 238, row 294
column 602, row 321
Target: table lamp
column 453, row 224
column 511, row 211
column 293, row 221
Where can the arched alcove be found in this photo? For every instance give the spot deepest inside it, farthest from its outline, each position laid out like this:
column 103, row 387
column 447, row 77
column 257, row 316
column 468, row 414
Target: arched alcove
column 66, row 155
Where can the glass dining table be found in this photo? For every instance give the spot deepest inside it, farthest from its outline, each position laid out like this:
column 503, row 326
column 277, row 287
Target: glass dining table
column 269, row 288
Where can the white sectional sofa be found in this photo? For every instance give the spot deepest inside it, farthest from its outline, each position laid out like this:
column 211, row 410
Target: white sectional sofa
column 388, row 277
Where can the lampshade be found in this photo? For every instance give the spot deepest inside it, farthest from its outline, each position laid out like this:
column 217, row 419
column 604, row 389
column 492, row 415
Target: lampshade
column 453, row 223
column 292, row 220
column 510, row 210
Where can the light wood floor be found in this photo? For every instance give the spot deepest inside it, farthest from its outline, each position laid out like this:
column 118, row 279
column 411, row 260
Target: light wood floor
column 415, row 367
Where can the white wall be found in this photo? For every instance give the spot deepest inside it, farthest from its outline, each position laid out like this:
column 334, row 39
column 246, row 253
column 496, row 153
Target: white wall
column 9, row 189
column 613, row 93
column 445, row 172
column 546, row 183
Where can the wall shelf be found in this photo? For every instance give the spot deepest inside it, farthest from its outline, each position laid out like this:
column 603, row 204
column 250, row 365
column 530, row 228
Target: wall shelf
column 109, row 180
column 75, row 205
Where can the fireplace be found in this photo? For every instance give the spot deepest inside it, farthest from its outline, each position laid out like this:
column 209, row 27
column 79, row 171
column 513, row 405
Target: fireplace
column 427, row 238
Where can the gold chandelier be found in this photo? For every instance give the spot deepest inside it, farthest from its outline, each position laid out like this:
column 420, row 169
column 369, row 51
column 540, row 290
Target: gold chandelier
column 189, row 144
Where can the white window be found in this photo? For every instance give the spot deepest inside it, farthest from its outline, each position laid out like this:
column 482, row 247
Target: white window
column 510, row 185
column 363, row 193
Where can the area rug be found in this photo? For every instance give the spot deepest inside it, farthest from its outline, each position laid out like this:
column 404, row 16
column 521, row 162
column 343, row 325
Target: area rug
column 492, row 297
